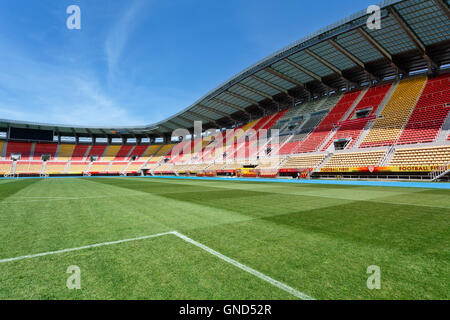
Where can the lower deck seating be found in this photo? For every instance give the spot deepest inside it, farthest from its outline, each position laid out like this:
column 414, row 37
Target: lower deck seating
column 355, row 159
column 166, row 167
column 134, row 167
column 55, row 167
column 78, row 167
column 117, row 167
column 233, row 166
column 5, row 167
column 150, row 165
column 216, row 166
column 304, row 162
column 28, row 167
column 99, row 167
column 199, row 167
column 433, row 156
column 270, row 163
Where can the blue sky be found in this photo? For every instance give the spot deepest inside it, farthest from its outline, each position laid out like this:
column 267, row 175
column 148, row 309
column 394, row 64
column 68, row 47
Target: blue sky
column 135, row 62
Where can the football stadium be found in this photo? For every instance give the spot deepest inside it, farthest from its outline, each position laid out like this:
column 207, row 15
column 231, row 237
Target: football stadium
column 321, row 172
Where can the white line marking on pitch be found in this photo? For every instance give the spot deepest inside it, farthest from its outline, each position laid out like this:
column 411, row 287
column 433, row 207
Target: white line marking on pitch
column 233, row 262
column 258, row 274
column 30, row 256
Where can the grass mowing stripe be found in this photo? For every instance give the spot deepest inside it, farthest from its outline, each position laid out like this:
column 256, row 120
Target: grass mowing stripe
column 241, row 266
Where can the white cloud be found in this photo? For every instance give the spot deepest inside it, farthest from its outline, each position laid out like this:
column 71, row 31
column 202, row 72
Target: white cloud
column 32, row 90
column 118, row 36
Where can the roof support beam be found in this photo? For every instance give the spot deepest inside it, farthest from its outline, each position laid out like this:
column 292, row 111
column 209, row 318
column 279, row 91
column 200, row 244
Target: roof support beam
column 251, row 101
column 330, row 66
column 443, row 6
column 413, row 37
column 231, row 105
column 272, row 85
column 380, row 49
column 106, row 134
column 165, row 127
column 186, row 120
column 200, row 116
column 309, row 73
column 288, row 79
column 352, row 58
column 74, row 133
column 223, row 114
column 179, row 124
column 265, row 95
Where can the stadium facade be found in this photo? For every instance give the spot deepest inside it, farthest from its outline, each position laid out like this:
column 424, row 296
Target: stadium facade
column 346, row 101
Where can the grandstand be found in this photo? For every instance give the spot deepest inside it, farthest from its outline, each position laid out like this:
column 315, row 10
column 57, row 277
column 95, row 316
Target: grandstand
column 365, row 128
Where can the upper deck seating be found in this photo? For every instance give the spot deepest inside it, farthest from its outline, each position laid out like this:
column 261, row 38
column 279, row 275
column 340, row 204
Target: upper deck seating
column 388, row 127
column 317, row 137
column 22, row 148
column 111, row 152
column 352, row 127
column 123, row 153
column 430, row 112
column 66, row 151
column 79, row 152
column 41, row 149
column 97, row 151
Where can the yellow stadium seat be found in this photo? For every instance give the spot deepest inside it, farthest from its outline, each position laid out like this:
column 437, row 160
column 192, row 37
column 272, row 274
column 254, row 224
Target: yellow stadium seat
column 65, row 152
column 388, row 127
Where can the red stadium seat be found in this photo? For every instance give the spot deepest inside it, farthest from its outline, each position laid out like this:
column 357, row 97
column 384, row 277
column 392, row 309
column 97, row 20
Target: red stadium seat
column 430, row 112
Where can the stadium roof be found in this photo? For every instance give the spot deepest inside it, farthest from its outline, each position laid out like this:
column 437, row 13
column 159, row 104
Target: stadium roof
column 414, row 36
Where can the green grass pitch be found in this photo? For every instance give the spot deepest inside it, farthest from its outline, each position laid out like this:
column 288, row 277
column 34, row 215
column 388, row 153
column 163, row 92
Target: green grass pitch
column 317, row 239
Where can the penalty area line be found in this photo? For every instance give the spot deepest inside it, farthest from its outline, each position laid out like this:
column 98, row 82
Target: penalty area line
column 233, row 262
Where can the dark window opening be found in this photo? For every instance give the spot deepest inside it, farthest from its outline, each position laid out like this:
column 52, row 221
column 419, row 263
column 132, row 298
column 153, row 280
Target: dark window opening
column 363, row 113
column 341, row 144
